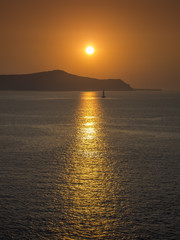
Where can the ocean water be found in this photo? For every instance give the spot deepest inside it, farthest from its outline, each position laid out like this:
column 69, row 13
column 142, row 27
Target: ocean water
column 76, row 166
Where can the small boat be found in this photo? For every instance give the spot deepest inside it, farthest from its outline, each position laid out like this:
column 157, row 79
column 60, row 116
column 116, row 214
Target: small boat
column 103, row 94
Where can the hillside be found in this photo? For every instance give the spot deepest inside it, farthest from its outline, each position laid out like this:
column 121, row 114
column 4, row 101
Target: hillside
column 59, row 80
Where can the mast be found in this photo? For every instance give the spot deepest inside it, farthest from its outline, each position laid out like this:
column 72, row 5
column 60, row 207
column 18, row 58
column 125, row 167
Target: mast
column 103, row 94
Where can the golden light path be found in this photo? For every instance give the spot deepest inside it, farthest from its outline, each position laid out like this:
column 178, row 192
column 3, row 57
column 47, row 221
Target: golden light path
column 89, row 181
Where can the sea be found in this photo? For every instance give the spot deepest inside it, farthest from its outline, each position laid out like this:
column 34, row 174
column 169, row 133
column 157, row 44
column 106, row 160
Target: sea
column 74, row 165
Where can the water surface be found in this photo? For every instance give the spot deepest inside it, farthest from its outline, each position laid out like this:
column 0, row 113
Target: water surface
column 76, row 166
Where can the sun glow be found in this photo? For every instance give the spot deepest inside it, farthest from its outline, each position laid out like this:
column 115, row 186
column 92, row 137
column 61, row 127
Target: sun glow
column 89, row 50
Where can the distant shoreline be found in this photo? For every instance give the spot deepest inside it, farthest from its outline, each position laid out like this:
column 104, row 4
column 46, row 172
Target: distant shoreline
column 147, row 89
column 59, row 80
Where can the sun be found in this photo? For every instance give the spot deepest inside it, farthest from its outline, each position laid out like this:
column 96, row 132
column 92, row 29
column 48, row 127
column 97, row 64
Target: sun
column 89, row 50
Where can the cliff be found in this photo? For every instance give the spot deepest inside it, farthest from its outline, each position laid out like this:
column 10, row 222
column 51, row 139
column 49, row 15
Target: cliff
column 59, row 80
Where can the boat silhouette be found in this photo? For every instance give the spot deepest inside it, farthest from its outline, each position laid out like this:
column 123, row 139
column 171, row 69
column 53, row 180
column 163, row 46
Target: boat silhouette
column 103, row 94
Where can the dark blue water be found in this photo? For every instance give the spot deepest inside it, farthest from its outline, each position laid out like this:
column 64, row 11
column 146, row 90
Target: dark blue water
column 76, row 166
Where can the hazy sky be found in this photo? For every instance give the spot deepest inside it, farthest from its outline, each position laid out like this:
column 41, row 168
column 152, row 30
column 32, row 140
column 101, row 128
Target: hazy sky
column 135, row 40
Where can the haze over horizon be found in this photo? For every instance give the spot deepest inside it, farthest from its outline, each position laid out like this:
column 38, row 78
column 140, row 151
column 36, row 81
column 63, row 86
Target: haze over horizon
column 136, row 41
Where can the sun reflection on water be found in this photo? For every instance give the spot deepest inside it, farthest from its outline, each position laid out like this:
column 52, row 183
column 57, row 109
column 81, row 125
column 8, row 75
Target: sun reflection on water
column 89, row 195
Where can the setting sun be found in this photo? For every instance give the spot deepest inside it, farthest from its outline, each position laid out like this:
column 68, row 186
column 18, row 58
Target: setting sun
column 89, row 50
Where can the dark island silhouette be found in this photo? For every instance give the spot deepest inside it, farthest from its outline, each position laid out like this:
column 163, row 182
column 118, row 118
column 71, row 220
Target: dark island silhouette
column 59, row 80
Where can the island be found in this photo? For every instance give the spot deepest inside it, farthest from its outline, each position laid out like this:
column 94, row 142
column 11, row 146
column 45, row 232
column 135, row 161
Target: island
column 59, row 80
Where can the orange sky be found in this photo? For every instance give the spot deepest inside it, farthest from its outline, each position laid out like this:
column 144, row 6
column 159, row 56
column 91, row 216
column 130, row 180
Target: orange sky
column 135, row 40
